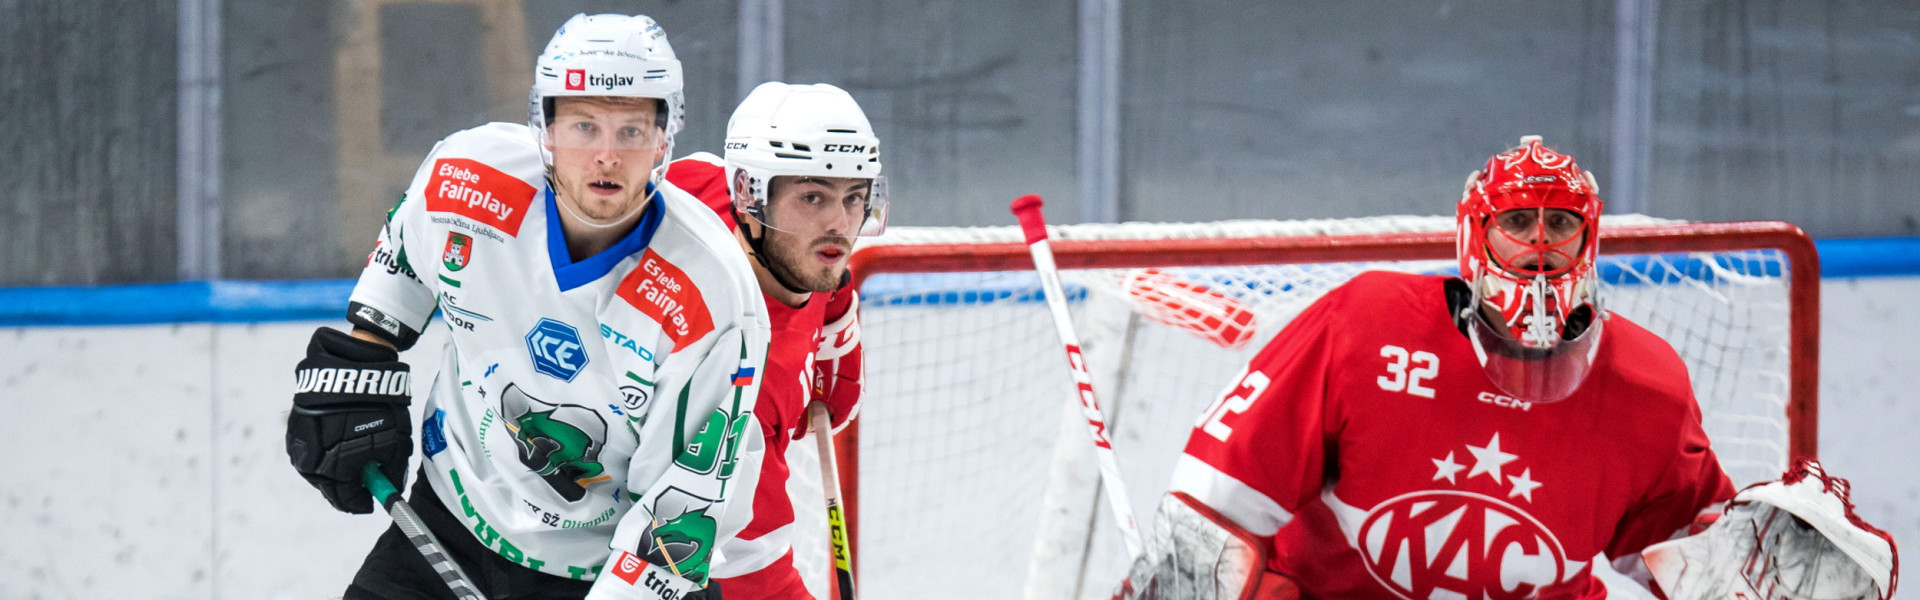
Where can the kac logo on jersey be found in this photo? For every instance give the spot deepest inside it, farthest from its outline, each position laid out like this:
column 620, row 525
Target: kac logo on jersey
column 458, row 252
column 556, row 350
column 1447, row 543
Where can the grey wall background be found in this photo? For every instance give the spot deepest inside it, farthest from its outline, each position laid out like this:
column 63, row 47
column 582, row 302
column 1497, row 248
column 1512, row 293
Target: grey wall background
column 86, row 142
column 1807, row 109
column 973, row 99
column 1345, row 109
column 1769, row 109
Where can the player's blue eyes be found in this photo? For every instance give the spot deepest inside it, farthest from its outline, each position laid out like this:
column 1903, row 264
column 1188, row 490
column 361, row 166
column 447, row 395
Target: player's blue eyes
column 628, row 132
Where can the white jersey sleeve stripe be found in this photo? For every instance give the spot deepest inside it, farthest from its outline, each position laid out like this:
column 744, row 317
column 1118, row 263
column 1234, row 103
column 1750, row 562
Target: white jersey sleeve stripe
column 745, row 555
column 1256, row 512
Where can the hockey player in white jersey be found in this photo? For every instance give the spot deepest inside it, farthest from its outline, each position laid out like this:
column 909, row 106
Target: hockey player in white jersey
column 592, row 423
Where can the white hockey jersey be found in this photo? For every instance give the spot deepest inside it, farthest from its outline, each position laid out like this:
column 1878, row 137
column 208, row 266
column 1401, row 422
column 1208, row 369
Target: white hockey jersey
column 573, row 391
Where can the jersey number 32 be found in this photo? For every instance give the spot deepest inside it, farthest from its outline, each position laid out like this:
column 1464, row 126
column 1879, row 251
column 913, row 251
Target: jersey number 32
column 1236, row 400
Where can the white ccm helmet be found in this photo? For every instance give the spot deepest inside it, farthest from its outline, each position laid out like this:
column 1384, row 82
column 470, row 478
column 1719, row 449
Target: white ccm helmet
column 608, row 55
column 813, row 130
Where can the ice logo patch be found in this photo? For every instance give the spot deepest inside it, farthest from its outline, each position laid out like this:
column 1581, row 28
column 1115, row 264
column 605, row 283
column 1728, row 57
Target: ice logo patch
column 556, row 350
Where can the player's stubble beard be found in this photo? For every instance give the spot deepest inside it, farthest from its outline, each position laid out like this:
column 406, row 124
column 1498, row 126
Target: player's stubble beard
column 792, row 259
column 602, row 210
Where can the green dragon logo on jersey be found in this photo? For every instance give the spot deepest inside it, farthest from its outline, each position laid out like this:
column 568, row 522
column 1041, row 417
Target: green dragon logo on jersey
column 559, row 442
column 686, row 538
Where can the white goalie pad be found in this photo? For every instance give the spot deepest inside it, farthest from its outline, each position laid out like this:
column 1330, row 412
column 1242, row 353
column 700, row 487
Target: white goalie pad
column 1194, row 553
column 1793, row 538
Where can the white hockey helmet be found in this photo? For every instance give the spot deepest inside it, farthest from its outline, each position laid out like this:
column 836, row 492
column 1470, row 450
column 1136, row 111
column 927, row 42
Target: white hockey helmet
column 813, row 130
column 609, row 56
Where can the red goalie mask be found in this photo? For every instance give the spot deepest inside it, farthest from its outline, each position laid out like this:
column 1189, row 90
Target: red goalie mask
column 1527, row 241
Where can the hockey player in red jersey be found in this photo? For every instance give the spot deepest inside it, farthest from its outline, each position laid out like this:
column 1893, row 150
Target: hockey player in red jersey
column 1422, row 436
column 800, row 180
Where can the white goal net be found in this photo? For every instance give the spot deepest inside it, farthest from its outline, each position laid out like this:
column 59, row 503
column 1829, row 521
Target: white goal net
column 976, row 482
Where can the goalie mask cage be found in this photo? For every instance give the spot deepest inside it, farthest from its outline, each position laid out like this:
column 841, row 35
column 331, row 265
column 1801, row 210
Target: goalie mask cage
column 968, row 475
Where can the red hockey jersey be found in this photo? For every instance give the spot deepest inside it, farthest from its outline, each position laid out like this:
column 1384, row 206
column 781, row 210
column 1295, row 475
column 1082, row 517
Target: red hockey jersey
column 761, row 554
column 1367, row 441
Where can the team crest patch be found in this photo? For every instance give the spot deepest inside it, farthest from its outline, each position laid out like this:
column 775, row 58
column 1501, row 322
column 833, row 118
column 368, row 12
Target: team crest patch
column 471, row 189
column 682, row 533
column 1465, row 543
column 559, row 442
column 663, row 292
column 458, row 252
column 1447, row 543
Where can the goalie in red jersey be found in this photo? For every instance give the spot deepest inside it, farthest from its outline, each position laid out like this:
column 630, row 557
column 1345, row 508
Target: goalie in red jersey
column 1422, row 436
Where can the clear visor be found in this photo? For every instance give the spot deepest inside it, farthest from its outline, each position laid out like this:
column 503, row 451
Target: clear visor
column 631, row 132
column 1539, row 375
column 818, row 206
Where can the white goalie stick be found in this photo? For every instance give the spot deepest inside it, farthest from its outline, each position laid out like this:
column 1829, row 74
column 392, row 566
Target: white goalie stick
column 416, row 532
column 1034, row 226
column 830, row 485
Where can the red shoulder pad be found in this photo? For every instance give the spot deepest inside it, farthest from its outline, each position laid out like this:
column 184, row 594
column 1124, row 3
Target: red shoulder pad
column 705, row 180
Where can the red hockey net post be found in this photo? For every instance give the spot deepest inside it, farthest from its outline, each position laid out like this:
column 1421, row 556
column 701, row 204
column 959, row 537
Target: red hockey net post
column 1800, row 268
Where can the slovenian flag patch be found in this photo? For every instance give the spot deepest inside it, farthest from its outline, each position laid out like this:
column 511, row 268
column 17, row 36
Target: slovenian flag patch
column 743, row 377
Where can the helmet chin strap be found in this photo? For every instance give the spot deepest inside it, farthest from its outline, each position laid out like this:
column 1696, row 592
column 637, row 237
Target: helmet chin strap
column 758, row 244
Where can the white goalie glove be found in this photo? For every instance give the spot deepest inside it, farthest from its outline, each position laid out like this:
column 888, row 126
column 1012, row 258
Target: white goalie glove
column 1194, row 553
column 1793, row 538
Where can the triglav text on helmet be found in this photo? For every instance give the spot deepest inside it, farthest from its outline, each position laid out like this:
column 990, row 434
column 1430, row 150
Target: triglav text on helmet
column 578, row 79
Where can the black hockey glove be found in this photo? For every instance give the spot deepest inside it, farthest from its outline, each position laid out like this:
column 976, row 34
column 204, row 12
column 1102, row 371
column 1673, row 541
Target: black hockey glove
column 349, row 408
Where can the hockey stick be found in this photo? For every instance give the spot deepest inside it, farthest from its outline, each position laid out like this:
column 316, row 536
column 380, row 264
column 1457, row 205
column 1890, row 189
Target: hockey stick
column 830, row 484
column 1034, row 225
column 416, row 532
